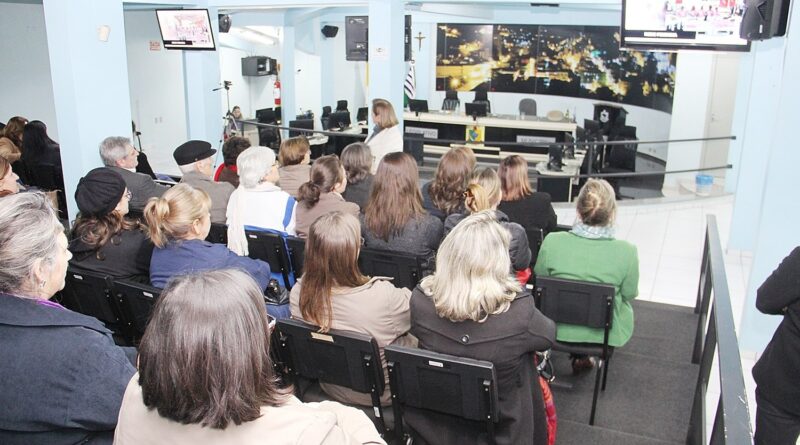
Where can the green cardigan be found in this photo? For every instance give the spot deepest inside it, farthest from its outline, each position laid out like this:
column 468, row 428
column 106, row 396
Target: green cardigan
column 609, row 261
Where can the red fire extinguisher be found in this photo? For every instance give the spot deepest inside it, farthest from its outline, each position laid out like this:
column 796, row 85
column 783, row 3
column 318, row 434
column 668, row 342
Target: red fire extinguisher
column 276, row 92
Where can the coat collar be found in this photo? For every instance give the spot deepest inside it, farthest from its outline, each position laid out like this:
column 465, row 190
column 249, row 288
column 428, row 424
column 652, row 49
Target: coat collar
column 16, row 311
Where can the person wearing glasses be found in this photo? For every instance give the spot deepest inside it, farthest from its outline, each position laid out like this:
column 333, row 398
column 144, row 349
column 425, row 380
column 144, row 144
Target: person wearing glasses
column 119, row 155
column 103, row 240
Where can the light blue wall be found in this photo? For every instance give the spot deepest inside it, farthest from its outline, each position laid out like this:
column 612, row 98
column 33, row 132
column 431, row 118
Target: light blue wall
column 387, row 72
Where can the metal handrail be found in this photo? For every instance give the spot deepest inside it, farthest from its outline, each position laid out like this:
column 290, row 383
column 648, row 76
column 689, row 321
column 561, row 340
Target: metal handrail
column 732, row 418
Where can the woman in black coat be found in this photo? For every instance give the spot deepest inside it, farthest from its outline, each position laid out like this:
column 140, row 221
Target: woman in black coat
column 471, row 307
column 523, row 206
column 777, row 372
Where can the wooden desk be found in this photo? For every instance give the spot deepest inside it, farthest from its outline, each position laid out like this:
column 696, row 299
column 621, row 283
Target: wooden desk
column 537, row 131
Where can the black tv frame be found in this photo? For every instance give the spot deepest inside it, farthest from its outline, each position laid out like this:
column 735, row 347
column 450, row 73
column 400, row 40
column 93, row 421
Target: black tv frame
column 418, row 105
column 476, row 109
column 187, row 48
column 341, row 119
column 666, row 46
column 304, row 124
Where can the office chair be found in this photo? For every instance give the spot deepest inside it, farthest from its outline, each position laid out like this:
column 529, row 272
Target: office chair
column 527, row 107
column 451, row 102
column 425, row 380
column 583, row 304
column 621, row 158
column 326, row 110
column 482, row 97
column 344, row 358
column 341, row 105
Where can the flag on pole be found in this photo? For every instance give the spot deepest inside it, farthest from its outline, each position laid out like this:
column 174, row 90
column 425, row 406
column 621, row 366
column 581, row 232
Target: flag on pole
column 410, row 87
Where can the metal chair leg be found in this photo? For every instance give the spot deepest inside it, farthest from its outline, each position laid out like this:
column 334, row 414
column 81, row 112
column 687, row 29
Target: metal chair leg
column 600, row 365
column 606, row 362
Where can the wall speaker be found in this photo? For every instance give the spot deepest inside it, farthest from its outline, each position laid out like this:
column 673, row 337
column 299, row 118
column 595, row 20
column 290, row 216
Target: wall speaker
column 224, row 23
column 763, row 19
column 330, row 31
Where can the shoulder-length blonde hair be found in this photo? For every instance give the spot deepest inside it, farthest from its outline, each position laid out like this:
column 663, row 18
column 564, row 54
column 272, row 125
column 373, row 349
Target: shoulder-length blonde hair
column 332, row 247
column 513, row 173
column 483, row 191
column 472, row 279
column 171, row 216
column 383, row 112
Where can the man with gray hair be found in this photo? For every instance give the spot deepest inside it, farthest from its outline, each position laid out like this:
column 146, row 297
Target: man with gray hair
column 195, row 159
column 119, row 155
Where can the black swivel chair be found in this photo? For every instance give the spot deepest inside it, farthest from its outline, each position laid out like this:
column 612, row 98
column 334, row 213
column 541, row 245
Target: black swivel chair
column 621, row 158
column 136, row 300
column 326, row 111
column 341, row 105
column 583, row 304
column 406, row 269
column 527, row 107
column 344, row 358
column 425, row 380
column 451, row 102
column 482, row 97
column 270, row 247
column 90, row 293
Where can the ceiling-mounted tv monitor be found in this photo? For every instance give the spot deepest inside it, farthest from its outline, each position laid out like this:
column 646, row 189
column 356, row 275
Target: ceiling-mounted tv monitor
column 186, row 29
column 683, row 24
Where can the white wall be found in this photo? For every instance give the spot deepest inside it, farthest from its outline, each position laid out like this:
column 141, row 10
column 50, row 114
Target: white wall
column 308, row 88
column 341, row 79
column 27, row 88
column 158, row 104
column 251, row 93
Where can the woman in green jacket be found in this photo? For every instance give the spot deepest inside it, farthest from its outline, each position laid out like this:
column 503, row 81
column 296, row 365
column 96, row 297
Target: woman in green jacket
column 589, row 252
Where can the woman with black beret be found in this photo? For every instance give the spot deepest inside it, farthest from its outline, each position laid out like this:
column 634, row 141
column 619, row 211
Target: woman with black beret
column 103, row 240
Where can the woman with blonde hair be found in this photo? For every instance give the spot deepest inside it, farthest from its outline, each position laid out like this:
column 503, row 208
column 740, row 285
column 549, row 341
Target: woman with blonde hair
column 471, row 307
column 484, row 193
column 589, row 252
column 8, row 179
column 387, row 136
column 206, row 376
column 322, row 193
column 357, row 161
column 178, row 223
column 394, row 218
column 444, row 195
column 333, row 294
column 295, row 159
column 520, row 203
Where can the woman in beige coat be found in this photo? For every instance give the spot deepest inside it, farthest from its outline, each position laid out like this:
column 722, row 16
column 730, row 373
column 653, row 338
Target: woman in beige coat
column 214, row 325
column 322, row 194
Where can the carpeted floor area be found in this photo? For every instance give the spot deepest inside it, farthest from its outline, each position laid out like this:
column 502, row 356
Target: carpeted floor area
column 650, row 385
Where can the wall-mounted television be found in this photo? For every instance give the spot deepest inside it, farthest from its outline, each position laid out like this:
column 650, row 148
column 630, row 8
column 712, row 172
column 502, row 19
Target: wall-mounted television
column 186, row 29
column 683, row 24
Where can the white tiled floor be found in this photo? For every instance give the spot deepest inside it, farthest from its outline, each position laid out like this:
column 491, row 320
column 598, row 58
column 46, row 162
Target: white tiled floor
column 669, row 235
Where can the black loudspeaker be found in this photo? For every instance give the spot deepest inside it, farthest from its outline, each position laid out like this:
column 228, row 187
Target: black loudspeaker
column 330, row 31
column 764, row 19
column 256, row 66
column 224, row 23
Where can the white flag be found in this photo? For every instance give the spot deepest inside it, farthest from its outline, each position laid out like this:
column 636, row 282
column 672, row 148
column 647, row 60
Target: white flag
column 411, row 81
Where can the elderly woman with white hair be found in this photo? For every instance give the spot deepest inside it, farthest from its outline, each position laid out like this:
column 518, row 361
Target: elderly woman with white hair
column 258, row 202
column 472, row 307
column 63, row 377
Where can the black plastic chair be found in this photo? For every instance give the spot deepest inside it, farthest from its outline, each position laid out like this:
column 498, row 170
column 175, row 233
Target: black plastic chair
column 344, row 358
column 297, row 254
column 406, row 269
column 218, row 234
column 270, row 247
column 535, row 239
column 583, row 304
column 461, row 387
column 136, row 301
column 90, row 293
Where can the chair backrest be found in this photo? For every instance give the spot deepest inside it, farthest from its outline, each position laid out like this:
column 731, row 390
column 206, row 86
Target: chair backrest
column 451, row 94
column 136, row 301
column 406, row 269
column 297, row 251
column 460, row 387
column 326, row 110
column 218, row 234
column 270, row 247
column 90, row 293
column 527, row 107
column 576, row 302
column 535, row 239
column 450, row 104
column 481, row 95
column 344, row 358
column 341, row 105
column 624, row 156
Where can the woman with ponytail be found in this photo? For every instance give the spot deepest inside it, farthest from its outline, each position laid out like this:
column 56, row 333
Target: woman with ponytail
column 589, row 252
column 103, row 240
column 322, row 194
column 179, row 222
column 484, row 193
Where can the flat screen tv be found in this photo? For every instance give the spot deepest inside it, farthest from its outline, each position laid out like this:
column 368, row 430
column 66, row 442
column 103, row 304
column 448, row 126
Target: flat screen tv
column 186, row 29
column 683, row 24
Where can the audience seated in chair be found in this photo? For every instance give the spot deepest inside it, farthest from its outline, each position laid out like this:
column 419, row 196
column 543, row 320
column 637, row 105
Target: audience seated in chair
column 295, row 168
column 196, row 161
column 357, row 162
column 387, row 136
column 231, row 150
column 103, row 240
column 395, row 219
column 119, row 155
column 333, row 294
column 323, row 193
column 178, row 224
column 589, row 252
column 63, row 377
column 444, row 195
column 483, row 193
column 8, row 179
column 471, row 307
column 214, row 325
column 258, row 203
column 519, row 202
column 41, row 161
